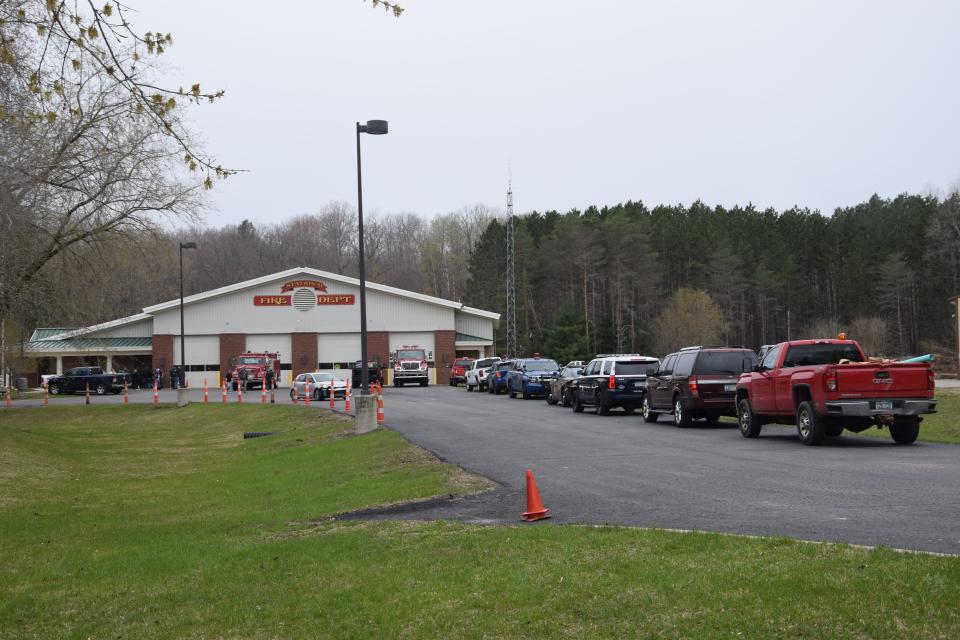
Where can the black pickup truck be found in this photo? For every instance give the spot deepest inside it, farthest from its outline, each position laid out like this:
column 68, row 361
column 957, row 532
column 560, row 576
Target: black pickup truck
column 76, row 380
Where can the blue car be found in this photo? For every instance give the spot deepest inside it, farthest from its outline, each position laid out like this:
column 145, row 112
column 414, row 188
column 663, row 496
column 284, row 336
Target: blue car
column 531, row 377
column 497, row 377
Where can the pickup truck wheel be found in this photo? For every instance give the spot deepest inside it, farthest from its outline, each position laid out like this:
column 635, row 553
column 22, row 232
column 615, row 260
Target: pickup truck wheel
column 577, row 405
column 810, row 426
column 749, row 424
column 680, row 416
column 649, row 415
column 550, row 400
column 905, row 430
column 101, row 389
column 54, row 389
column 525, row 393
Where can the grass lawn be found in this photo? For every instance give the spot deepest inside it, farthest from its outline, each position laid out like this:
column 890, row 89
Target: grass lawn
column 154, row 522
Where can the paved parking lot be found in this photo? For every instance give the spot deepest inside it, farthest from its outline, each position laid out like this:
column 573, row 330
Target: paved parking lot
column 618, row 469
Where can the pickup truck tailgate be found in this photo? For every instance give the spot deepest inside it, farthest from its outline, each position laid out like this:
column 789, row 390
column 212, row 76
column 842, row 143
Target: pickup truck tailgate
column 882, row 380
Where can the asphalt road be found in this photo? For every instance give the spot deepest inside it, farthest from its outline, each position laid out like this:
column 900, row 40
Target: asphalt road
column 618, row 469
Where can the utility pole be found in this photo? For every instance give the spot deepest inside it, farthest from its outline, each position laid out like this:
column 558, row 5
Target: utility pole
column 511, row 278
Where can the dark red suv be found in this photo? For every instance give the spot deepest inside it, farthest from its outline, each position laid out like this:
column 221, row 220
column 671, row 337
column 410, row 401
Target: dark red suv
column 696, row 383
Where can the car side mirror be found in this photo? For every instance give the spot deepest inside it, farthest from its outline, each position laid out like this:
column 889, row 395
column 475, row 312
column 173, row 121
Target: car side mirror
column 758, row 368
column 746, row 364
column 651, row 372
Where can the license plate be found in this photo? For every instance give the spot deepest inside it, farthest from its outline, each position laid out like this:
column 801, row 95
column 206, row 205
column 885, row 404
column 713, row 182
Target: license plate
column 730, row 387
column 883, row 404
column 639, row 385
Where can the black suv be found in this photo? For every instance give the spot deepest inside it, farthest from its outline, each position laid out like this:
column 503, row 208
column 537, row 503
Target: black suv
column 696, row 383
column 612, row 381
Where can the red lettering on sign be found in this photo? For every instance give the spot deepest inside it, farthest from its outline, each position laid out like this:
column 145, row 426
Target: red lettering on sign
column 345, row 298
column 309, row 284
column 271, row 301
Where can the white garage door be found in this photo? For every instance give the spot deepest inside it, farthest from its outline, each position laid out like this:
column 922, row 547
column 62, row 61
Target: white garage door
column 423, row 339
column 342, row 348
column 269, row 342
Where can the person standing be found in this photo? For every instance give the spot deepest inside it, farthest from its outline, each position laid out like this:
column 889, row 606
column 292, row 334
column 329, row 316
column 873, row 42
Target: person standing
column 268, row 379
column 174, row 377
column 158, row 377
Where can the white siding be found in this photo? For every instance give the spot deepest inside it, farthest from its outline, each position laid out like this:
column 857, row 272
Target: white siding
column 474, row 326
column 338, row 347
column 420, row 339
column 141, row 329
column 235, row 313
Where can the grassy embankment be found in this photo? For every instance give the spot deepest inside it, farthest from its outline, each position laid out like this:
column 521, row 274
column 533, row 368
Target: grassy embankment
column 152, row 522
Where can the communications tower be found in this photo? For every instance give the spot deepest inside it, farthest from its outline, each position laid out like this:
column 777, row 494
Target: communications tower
column 511, row 278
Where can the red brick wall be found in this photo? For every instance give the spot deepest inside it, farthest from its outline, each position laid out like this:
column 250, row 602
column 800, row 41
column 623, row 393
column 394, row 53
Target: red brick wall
column 231, row 346
column 162, row 356
column 304, row 347
column 444, row 353
column 378, row 347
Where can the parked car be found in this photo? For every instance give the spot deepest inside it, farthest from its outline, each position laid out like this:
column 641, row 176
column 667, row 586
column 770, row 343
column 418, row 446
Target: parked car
column 458, row 373
column 559, row 391
column 531, row 377
column 611, row 381
column 321, row 385
column 77, row 379
column 826, row 386
column 497, row 377
column 476, row 376
column 374, row 373
column 697, row 383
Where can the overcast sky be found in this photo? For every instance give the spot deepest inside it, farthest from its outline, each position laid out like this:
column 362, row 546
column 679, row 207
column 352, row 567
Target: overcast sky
column 816, row 103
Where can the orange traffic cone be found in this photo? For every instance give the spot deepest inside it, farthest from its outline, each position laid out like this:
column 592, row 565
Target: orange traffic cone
column 333, row 395
column 156, row 393
column 87, row 394
column 240, row 392
column 263, row 395
column 306, row 395
column 46, row 395
column 224, row 393
column 380, row 417
column 206, row 392
column 346, row 400
column 126, row 396
column 7, row 401
column 535, row 509
column 273, row 393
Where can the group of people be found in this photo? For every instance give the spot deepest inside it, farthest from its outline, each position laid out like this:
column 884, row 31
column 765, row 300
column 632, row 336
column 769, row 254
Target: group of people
column 144, row 379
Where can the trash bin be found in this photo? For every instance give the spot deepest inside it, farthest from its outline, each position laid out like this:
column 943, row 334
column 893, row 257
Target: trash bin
column 21, row 384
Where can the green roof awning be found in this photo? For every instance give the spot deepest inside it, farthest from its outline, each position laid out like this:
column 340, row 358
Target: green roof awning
column 463, row 337
column 91, row 345
column 43, row 333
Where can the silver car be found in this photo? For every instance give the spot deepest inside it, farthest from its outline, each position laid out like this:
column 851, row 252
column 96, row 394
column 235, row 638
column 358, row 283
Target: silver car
column 320, row 386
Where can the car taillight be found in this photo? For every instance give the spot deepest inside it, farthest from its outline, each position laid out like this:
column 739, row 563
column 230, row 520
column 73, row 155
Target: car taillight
column 830, row 380
column 692, row 384
column 612, row 382
column 930, row 380
column 498, row 375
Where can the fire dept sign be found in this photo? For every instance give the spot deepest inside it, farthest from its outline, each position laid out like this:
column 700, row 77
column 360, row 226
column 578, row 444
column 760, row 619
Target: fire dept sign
column 323, row 298
column 303, row 284
column 271, row 301
column 345, row 298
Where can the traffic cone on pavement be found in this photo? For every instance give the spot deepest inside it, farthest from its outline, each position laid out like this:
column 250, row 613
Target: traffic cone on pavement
column 263, row 395
column 126, row 396
column 46, row 395
column 380, row 417
column 224, row 393
column 206, row 392
column 535, row 509
column 6, row 399
column 333, row 395
column 240, row 392
column 273, row 393
column 87, row 394
column 306, row 397
column 156, row 393
column 346, row 401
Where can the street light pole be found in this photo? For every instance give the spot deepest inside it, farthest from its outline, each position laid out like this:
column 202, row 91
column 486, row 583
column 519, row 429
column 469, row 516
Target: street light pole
column 373, row 127
column 183, row 353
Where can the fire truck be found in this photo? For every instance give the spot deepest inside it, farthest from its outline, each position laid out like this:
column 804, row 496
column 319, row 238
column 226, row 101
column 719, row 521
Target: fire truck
column 410, row 364
column 255, row 365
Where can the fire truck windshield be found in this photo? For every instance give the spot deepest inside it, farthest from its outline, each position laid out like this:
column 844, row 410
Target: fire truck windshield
column 411, row 354
column 253, row 361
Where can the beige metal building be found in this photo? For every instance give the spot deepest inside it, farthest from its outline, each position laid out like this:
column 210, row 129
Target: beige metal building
column 311, row 317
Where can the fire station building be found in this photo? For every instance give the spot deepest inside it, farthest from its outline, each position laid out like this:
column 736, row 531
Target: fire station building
column 310, row 317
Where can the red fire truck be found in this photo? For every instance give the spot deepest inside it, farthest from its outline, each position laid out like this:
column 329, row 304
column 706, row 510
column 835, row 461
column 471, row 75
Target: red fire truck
column 255, row 367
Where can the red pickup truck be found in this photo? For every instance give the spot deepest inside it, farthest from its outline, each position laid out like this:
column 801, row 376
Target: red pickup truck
column 826, row 386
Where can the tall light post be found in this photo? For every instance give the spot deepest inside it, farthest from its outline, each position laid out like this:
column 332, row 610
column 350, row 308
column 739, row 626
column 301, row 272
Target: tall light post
column 183, row 353
column 375, row 128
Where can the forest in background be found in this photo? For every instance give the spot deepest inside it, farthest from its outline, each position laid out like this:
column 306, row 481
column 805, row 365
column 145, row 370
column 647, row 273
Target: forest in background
column 625, row 278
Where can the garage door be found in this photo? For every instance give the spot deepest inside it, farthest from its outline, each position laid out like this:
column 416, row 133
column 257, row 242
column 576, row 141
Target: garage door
column 422, row 339
column 342, row 349
column 268, row 342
